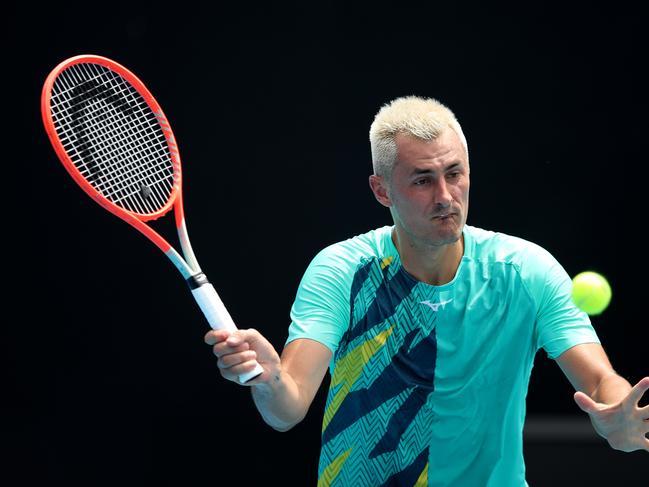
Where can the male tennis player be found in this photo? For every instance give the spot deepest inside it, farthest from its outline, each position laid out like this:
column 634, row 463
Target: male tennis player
column 429, row 329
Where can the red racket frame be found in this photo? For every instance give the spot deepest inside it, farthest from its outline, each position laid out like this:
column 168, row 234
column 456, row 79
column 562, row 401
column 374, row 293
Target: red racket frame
column 137, row 220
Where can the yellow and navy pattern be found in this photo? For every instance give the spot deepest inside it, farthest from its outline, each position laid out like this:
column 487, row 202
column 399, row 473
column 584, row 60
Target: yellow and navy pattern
column 382, row 378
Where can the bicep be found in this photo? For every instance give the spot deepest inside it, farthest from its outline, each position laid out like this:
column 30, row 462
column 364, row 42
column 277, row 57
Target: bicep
column 306, row 361
column 585, row 365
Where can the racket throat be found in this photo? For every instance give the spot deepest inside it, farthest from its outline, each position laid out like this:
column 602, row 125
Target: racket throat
column 197, row 280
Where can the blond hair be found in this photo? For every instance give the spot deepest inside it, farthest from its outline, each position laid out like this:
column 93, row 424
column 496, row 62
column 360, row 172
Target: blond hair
column 424, row 118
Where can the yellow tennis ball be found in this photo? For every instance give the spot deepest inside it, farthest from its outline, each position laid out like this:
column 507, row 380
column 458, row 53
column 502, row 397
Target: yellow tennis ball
column 591, row 292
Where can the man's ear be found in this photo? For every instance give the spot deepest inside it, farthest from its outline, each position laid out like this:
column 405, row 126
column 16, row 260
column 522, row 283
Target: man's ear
column 380, row 189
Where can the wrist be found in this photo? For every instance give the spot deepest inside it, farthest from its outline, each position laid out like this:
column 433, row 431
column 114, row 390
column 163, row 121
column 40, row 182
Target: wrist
column 272, row 384
column 611, row 389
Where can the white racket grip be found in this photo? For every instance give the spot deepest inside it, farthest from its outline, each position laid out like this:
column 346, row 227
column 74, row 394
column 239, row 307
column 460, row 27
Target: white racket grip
column 213, row 308
column 218, row 317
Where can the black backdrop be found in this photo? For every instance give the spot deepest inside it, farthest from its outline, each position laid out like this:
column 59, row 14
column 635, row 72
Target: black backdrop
column 106, row 376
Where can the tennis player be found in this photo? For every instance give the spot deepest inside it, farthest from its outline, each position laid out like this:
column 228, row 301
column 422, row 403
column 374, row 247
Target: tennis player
column 429, row 328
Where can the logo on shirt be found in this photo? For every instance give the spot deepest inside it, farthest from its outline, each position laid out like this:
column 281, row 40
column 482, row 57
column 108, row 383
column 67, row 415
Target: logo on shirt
column 435, row 306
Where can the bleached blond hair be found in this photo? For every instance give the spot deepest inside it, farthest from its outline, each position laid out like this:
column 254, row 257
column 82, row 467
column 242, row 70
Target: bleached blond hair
column 424, row 118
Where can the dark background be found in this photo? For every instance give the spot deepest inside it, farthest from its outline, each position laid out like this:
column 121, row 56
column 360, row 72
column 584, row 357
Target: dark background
column 106, row 380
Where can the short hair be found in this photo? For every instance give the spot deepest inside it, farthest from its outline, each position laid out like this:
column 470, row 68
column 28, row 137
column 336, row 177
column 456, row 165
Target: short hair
column 423, row 118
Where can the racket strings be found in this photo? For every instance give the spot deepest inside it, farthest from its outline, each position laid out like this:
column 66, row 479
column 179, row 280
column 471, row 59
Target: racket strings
column 113, row 137
column 118, row 180
column 101, row 117
column 113, row 186
column 122, row 193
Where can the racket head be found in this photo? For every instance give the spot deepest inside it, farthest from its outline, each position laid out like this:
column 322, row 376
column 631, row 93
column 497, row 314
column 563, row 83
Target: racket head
column 112, row 137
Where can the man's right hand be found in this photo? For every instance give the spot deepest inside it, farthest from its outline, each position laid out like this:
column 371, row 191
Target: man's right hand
column 239, row 351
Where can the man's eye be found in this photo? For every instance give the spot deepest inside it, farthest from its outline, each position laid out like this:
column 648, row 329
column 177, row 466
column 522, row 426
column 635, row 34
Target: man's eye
column 420, row 182
column 454, row 175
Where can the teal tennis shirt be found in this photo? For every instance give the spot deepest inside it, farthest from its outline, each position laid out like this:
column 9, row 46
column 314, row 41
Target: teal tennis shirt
column 428, row 383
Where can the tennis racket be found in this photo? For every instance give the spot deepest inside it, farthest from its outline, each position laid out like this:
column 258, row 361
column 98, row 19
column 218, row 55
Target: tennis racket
column 114, row 140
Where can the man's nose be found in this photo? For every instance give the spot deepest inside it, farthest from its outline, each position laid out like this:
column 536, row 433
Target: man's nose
column 442, row 195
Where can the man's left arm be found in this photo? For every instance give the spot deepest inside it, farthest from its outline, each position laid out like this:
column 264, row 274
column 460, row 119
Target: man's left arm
column 609, row 400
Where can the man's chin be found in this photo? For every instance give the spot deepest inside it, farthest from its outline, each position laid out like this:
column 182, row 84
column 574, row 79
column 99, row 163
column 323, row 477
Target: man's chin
column 437, row 236
column 446, row 237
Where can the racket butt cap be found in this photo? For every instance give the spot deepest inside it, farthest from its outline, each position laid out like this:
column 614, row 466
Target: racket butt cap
column 248, row 376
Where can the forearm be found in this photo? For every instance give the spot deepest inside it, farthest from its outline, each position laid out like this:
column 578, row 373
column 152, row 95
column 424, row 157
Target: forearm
column 280, row 402
column 611, row 389
column 589, row 371
column 284, row 391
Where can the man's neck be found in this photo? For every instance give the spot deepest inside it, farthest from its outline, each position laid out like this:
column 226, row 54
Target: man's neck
column 435, row 265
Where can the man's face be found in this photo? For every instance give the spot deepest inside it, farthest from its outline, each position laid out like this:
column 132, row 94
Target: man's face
column 428, row 193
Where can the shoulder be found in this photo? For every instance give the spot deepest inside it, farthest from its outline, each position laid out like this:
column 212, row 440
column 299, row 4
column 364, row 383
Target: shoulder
column 536, row 268
column 487, row 245
column 349, row 253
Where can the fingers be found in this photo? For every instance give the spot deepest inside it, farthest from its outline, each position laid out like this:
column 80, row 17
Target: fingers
column 249, row 335
column 644, row 412
column 225, row 348
column 233, row 351
column 225, row 341
column 585, row 403
column 215, row 336
column 230, row 360
column 638, row 391
column 646, row 444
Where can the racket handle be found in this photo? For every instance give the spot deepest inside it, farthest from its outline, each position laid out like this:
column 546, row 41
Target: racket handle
column 217, row 315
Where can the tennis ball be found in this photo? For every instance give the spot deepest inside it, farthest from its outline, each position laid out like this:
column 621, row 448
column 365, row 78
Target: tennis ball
column 591, row 292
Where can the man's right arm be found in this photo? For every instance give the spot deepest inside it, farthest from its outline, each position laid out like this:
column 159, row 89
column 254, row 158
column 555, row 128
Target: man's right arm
column 283, row 400
column 285, row 390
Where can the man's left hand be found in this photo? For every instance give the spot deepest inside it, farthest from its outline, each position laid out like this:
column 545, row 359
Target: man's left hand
column 624, row 425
